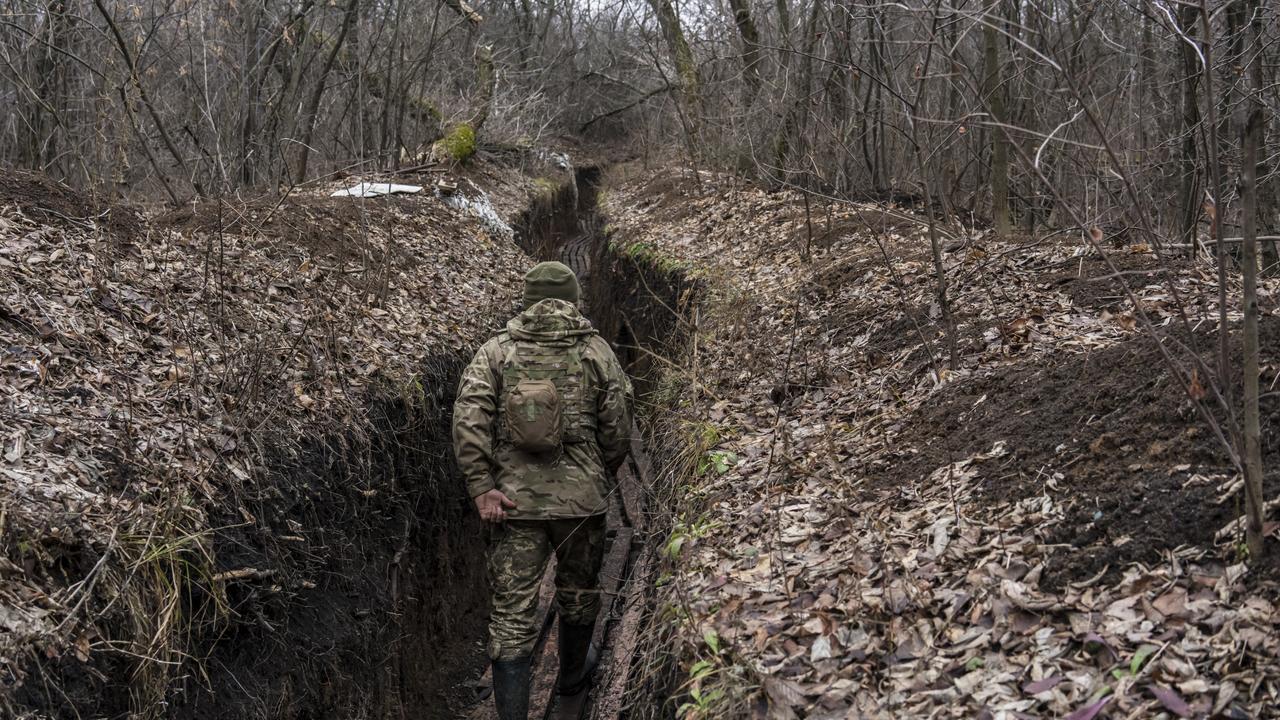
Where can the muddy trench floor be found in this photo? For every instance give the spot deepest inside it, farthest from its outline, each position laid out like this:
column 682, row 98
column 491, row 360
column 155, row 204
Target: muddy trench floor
column 623, row 543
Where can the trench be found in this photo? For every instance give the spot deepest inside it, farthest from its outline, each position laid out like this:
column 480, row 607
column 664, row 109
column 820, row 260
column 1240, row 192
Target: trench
column 395, row 625
column 634, row 306
column 380, row 525
column 362, row 591
column 632, row 303
column 349, row 572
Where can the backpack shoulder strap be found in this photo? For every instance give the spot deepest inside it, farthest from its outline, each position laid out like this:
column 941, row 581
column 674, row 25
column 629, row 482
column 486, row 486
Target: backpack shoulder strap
column 506, row 355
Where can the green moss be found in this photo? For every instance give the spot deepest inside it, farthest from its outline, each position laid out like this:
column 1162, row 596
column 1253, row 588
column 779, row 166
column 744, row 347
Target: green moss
column 639, row 250
column 707, row 433
column 460, row 142
column 650, row 255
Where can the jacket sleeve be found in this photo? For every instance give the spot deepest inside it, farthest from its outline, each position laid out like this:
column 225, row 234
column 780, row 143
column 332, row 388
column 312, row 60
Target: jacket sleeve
column 474, row 414
column 613, row 407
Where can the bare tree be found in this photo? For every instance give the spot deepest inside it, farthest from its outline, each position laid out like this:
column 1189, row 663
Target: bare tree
column 678, row 47
column 1255, row 503
column 993, row 91
column 751, row 55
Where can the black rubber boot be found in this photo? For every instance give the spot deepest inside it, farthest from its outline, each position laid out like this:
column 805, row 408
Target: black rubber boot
column 511, row 688
column 577, row 660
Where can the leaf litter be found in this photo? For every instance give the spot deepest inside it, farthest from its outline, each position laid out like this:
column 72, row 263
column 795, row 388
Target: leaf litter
column 148, row 364
column 884, row 544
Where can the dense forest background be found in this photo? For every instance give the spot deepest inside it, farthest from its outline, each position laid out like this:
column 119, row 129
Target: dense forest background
column 1008, row 111
column 899, row 242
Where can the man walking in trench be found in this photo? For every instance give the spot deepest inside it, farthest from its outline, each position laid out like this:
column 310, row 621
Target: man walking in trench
column 540, row 426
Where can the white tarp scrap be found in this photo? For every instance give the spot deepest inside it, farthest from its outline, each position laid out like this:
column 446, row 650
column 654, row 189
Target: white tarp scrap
column 367, row 189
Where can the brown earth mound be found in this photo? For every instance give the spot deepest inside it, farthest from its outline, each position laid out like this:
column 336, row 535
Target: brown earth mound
column 1132, row 450
column 325, row 226
column 827, row 559
column 1090, row 285
column 37, row 196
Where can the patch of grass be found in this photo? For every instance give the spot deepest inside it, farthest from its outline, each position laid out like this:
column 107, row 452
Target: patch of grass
column 683, row 532
column 718, row 460
column 715, row 685
column 707, row 433
column 166, row 568
column 411, row 390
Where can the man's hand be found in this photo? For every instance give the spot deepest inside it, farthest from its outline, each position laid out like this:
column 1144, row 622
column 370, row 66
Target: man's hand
column 493, row 506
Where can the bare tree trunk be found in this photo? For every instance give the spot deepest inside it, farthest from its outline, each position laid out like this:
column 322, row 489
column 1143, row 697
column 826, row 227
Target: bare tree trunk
column 1215, row 220
column 486, row 82
column 1254, row 502
column 874, row 105
column 994, row 93
column 927, row 179
column 681, row 55
column 136, row 81
column 948, row 179
column 784, row 34
column 1188, row 171
column 525, row 22
column 38, row 147
column 1148, row 88
column 313, row 105
column 782, row 143
column 1268, row 190
column 751, row 56
column 388, row 146
column 460, row 141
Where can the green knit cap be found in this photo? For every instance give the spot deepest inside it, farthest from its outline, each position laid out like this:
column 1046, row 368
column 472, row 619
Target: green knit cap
column 550, row 280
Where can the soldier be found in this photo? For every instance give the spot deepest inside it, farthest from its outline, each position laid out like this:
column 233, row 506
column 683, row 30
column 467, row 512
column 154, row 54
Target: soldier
column 540, row 426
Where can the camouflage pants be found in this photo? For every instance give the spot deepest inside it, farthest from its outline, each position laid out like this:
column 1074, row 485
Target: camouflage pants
column 518, row 555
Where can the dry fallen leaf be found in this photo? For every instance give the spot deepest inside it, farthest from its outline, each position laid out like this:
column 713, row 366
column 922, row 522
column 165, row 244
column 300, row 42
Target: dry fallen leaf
column 1194, row 388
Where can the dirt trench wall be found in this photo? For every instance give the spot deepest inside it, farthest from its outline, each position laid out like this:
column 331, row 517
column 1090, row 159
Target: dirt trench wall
column 375, row 612
column 350, row 585
column 376, row 599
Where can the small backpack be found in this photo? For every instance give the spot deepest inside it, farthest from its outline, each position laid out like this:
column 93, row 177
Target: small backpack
column 542, row 397
column 535, row 422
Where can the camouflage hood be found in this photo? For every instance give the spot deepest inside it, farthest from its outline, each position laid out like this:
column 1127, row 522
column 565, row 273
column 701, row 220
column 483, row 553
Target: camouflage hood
column 550, row 322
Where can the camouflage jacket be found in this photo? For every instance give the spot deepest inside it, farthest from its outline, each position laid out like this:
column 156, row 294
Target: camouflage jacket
column 577, row 482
